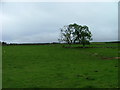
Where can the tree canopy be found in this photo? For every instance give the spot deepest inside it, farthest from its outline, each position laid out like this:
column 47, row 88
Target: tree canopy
column 75, row 33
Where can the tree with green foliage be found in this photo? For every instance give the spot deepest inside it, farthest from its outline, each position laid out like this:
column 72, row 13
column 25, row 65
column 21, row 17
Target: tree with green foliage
column 75, row 33
column 82, row 34
column 66, row 35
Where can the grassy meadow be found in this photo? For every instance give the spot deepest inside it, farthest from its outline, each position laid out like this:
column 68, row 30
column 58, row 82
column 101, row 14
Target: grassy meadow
column 0, row 66
column 52, row 66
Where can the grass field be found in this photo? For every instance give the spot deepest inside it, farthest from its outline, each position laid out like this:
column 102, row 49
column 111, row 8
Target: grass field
column 52, row 66
column 0, row 66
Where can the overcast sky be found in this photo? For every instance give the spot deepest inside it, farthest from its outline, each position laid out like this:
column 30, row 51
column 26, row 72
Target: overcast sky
column 25, row 22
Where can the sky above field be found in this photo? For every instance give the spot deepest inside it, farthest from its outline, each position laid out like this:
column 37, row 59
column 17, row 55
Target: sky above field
column 31, row 22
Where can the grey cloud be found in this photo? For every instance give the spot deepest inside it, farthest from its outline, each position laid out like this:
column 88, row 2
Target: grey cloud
column 40, row 22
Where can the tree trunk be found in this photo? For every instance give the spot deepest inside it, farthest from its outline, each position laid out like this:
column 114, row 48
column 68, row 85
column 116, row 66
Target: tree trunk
column 83, row 45
column 83, row 41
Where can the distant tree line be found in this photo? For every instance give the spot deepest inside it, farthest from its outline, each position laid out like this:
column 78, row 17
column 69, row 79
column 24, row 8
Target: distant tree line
column 75, row 33
column 3, row 43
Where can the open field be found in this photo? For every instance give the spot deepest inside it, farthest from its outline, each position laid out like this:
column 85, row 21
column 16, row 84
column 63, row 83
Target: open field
column 0, row 66
column 52, row 66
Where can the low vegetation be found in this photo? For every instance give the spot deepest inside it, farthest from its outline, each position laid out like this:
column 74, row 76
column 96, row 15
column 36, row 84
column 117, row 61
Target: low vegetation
column 52, row 66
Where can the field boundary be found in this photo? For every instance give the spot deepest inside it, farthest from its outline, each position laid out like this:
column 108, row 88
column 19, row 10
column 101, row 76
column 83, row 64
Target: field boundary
column 90, row 47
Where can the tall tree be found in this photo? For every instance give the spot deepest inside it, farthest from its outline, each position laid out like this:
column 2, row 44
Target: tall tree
column 66, row 35
column 75, row 33
column 85, row 35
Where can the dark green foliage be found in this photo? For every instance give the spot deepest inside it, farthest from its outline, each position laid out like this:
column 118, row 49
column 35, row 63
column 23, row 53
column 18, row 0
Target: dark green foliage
column 4, row 43
column 66, row 35
column 75, row 33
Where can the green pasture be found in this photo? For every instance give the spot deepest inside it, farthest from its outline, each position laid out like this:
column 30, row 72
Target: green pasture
column 0, row 66
column 52, row 66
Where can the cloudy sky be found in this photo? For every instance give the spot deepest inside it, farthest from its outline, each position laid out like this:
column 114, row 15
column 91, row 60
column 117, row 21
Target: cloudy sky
column 25, row 22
